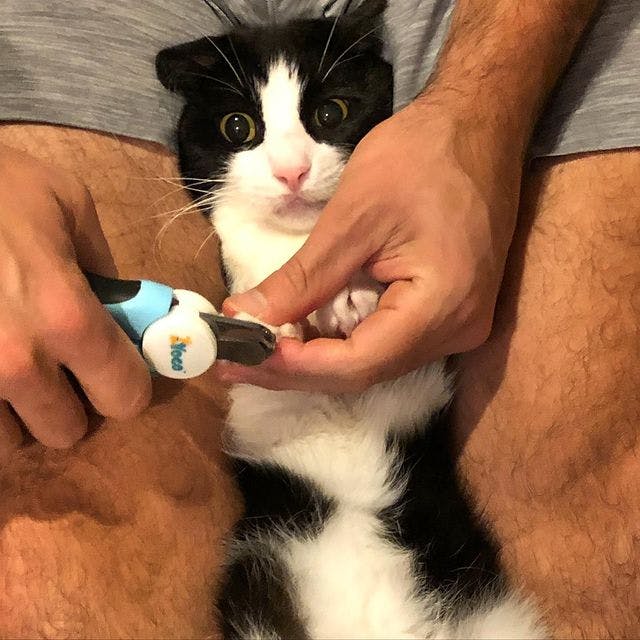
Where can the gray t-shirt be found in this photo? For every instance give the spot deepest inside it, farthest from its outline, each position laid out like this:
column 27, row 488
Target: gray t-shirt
column 89, row 63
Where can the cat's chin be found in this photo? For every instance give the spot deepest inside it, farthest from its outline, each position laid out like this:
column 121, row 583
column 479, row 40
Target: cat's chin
column 296, row 214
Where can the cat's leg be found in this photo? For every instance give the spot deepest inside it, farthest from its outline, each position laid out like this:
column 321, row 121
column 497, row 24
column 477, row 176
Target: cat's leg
column 508, row 619
column 245, row 271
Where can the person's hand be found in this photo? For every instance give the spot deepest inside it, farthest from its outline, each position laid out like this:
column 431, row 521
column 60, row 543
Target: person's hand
column 49, row 319
column 427, row 204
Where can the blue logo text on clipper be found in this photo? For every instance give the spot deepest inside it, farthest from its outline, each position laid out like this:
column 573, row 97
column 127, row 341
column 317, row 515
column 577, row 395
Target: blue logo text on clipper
column 178, row 349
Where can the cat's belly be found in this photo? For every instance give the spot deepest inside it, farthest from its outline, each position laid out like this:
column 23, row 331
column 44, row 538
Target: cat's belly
column 294, row 418
column 351, row 582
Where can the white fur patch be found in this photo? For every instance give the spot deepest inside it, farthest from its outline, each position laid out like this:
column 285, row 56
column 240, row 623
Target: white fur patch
column 355, row 584
column 296, row 417
column 509, row 619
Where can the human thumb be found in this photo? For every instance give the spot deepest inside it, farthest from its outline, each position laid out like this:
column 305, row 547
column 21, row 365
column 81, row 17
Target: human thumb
column 314, row 275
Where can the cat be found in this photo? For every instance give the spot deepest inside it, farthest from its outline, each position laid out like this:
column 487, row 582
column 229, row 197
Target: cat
column 355, row 523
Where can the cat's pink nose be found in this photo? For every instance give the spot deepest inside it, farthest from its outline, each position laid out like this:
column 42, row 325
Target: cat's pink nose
column 292, row 175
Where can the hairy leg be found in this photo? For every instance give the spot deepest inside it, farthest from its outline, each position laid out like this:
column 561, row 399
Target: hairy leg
column 121, row 536
column 549, row 409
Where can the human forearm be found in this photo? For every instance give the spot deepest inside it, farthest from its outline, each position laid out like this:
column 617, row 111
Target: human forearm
column 502, row 59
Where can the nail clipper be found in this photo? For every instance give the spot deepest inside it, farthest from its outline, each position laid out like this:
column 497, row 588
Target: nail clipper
column 178, row 332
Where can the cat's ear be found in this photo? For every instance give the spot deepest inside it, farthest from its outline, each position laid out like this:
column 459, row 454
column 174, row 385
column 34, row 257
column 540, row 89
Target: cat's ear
column 368, row 11
column 181, row 68
column 365, row 22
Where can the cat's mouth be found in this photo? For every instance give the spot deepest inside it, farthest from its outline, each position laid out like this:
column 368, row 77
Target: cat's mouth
column 297, row 204
column 296, row 200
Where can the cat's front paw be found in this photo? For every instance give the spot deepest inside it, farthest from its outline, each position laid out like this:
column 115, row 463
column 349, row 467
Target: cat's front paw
column 348, row 309
column 287, row 330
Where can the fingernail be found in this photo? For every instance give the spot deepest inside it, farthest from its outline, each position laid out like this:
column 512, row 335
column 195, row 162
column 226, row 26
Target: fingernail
column 251, row 302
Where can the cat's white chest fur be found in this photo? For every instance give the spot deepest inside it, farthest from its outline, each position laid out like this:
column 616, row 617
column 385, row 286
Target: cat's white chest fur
column 251, row 250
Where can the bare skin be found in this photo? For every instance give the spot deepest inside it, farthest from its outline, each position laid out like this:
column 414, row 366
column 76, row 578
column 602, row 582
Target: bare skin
column 122, row 535
column 550, row 404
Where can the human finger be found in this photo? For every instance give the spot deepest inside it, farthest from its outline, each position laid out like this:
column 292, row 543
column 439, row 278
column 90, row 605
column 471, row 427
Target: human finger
column 87, row 236
column 385, row 345
column 83, row 336
column 42, row 397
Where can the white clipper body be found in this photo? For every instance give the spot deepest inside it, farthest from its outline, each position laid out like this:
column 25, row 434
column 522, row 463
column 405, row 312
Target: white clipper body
column 181, row 345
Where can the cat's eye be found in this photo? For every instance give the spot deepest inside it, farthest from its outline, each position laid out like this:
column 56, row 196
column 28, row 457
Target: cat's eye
column 238, row 128
column 331, row 113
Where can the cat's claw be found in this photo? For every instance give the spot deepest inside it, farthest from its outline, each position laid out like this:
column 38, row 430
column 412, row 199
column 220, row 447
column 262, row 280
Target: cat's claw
column 287, row 330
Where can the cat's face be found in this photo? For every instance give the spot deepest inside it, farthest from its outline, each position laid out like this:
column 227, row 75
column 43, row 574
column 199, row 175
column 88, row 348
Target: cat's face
column 273, row 113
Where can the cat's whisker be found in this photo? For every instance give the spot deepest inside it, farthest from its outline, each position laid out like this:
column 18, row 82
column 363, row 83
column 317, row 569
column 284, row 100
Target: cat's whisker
column 333, row 28
column 180, row 212
column 165, row 178
column 187, row 181
column 203, row 180
column 345, row 9
column 169, row 194
column 190, row 188
column 182, row 187
column 178, row 189
column 235, row 53
column 194, row 203
column 163, row 231
column 226, row 59
column 360, row 55
column 221, row 12
column 179, row 180
column 202, row 246
column 349, row 48
column 168, row 213
column 190, row 206
column 176, row 212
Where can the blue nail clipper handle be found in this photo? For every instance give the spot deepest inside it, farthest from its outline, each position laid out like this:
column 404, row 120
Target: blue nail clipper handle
column 179, row 333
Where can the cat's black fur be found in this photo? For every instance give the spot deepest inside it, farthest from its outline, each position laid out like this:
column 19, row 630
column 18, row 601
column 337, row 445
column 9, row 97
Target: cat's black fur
column 434, row 518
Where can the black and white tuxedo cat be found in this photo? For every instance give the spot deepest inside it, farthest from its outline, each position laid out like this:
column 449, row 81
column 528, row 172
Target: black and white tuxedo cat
column 355, row 523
